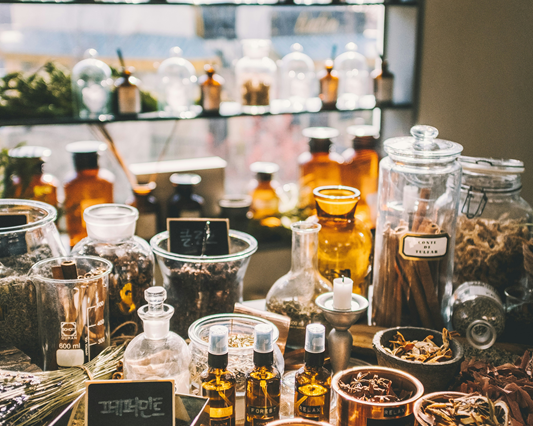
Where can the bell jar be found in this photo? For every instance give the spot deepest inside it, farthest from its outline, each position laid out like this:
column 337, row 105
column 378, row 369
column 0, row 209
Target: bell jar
column 298, row 83
column 354, row 78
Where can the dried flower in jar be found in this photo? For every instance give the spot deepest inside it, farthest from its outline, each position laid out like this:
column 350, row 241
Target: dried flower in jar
column 425, row 351
column 374, row 389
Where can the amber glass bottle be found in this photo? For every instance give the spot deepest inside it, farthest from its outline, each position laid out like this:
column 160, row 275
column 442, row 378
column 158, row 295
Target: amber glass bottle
column 90, row 185
column 150, row 220
column 319, row 166
column 313, row 382
column 265, row 200
column 263, row 382
column 383, row 83
column 344, row 242
column 329, row 86
column 184, row 202
column 218, row 383
column 211, row 89
column 127, row 93
column 361, row 168
column 27, row 178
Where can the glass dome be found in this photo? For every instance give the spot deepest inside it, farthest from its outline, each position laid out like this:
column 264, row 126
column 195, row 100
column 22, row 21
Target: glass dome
column 177, row 80
column 91, row 86
column 297, row 78
column 354, row 78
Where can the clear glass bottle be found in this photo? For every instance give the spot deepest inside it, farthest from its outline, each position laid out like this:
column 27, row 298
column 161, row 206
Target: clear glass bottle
column 177, row 83
column 92, row 87
column 320, row 166
column 312, row 382
column 263, row 383
column 361, row 169
column 184, row 202
column 344, row 242
column 158, row 353
column 90, row 185
column 128, row 93
column 218, row 383
column 256, row 77
column 211, row 90
column 492, row 223
column 265, row 200
column 26, row 177
column 383, row 83
column 297, row 78
column 354, row 79
column 329, row 86
column 294, row 293
column 111, row 229
column 150, row 220
column 418, row 199
column 478, row 314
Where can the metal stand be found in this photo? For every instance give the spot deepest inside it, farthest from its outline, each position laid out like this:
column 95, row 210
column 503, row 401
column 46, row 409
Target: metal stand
column 340, row 339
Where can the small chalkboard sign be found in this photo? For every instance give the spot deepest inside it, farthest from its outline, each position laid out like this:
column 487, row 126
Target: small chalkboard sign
column 197, row 237
column 12, row 244
column 129, row 403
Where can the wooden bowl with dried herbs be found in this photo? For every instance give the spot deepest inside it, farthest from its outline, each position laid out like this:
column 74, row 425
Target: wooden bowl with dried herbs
column 431, row 356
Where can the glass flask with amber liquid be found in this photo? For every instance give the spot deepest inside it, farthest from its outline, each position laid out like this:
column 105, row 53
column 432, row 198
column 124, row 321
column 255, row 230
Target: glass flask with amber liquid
column 329, row 86
column 361, row 168
column 318, row 167
column 150, row 220
column 28, row 181
column 312, row 382
column 211, row 90
column 89, row 186
column 344, row 242
column 265, row 200
column 263, row 382
column 218, row 383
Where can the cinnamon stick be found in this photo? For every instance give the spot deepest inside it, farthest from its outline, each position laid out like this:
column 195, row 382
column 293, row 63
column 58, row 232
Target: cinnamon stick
column 421, row 210
column 70, row 271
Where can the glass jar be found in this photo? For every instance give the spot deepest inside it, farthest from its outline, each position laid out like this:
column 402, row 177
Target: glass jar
column 184, row 202
column 519, row 314
column 203, row 285
column 92, row 87
column 158, row 353
column 354, row 79
column 73, row 312
column 478, row 314
column 492, row 223
column 256, row 77
column 294, row 294
column 30, row 237
column 111, row 229
column 177, row 83
column 297, row 78
column 344, row 242
column 418, row 199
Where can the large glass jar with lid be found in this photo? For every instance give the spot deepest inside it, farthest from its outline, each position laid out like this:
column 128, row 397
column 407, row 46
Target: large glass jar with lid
column 297, row 78
column 418, row 199
column 493, row 221
column 354, row 78
column 92, row 86
column 110, row 229
column 294, row 293
column 256, row 77
column 177, row 83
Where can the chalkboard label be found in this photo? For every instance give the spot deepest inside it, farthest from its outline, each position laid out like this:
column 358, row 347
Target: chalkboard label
column 12, row 244
column 197, row 237
column 129, row 403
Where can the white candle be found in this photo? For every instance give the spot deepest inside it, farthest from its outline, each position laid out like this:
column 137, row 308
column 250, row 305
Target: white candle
column 342, row 293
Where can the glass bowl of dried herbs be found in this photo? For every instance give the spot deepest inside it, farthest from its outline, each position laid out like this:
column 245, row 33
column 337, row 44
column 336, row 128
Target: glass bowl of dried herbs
column 431, row 356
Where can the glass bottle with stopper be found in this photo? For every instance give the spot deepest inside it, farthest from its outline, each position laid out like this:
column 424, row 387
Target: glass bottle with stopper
column 265, row 200
column 329, row 86
column 158, row 353
column 184, row 202
column 297, row 78
column 313, row 382
column 383, row 83
column 211, row 89
column 127, row 90
column 92, row 86
column 218, row 383
column 354, row 80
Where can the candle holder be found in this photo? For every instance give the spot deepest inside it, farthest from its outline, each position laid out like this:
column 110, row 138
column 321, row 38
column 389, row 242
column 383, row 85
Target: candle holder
column 340, row 339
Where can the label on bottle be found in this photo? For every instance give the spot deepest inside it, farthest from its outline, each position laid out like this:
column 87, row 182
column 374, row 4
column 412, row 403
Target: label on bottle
column 146, row 225
column 220, row 414
column 211, row 98
column 310, row 411
column 263, row 411
column 129, row 100
column 424, row 246
column 190, row 214
column 383, row 89
column 328, row 91
column 402, row 421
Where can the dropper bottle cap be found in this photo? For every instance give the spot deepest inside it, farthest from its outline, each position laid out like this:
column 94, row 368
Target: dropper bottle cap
column 263, row 345
column 156, row 315
column 217, row 353
column 315, row 345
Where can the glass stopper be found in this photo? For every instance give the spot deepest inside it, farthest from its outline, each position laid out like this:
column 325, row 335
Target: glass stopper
column 155, row 296
column 90, row 53
column 297, row 47
column 425, row 137
column 176, row 52
column 218, row 340
column 315, row 338
column 352, row 47
column 263, row 342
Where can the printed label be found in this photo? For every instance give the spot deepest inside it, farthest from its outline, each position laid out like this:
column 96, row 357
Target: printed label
column 129, row 100
column 424, row 247
column 309, row 410
column 402, row 421
column 68, row 330
column 220, row 413
column 263, row 411
column 211, row 98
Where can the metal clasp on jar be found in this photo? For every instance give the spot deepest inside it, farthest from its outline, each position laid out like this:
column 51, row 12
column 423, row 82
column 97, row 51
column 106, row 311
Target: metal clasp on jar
column 466, row 208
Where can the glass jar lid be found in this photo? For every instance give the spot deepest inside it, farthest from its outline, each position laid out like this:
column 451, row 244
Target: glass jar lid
column 422, row 146
column 491, row 166
column 363, row 131
column 30, row 152
column 185, row 179
column 264, row 167
column 91, row 68
column 108, row 222
column 321, row 133
column 256, row 48
column 350, row 60
column 177, row 66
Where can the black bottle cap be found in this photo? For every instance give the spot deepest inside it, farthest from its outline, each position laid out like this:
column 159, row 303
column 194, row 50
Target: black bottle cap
column 85, row 154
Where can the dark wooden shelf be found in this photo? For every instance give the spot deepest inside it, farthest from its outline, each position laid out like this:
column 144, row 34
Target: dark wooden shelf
column 204, row 3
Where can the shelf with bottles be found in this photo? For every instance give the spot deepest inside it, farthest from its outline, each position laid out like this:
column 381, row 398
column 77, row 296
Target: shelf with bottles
column 203, row 3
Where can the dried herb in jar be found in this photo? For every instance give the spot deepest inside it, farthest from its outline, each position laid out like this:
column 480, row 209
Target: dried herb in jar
column 425, row 351
column 374, row 389
column 255, row 94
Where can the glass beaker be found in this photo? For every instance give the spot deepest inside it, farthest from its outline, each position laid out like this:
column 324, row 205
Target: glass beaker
column 73, row 312
column 202, row 285
column 344, row 242
column 294, row 293
column 30, row 237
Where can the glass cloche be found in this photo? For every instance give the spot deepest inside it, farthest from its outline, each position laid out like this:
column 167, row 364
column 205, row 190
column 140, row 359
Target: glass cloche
column 177, row 83
column 354, row 78
column 92, row 86
column 297, row 78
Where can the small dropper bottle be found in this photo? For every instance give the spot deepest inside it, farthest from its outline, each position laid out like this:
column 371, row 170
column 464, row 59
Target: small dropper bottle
column 313, row 382
column 218, row 384
column 263, row 382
